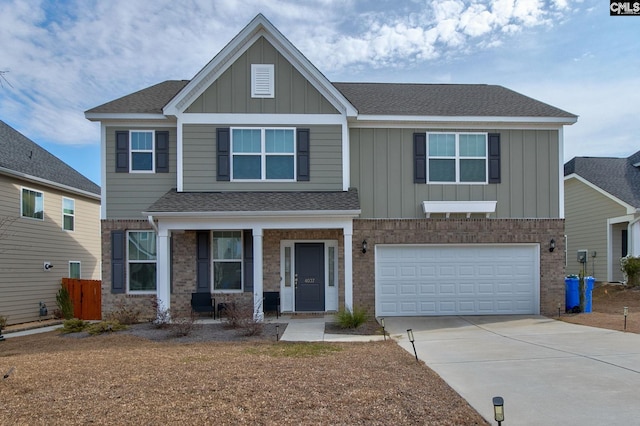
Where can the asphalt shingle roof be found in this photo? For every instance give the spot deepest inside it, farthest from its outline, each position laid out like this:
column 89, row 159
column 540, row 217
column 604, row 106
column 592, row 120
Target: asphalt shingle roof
column 444, row 100
column 449, row 100
column 20, row 154
column 191, row 202
column 617, row 176
column 146, row 101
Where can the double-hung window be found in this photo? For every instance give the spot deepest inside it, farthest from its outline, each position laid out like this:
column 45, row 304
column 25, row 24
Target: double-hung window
column 142, row 154
column 263, row 154
column 141, row 252
column 457, row 157
column 68, row 214
column 32, row 204
column 227, row 260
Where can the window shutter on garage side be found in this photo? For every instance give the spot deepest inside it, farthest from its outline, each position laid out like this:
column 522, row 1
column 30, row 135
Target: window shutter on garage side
column 122, row 152
column 118, row 261
column 494, row 157
column 419, row 158
column 162, row 152
column 248, row 260
column 303, row 155
column 223, row 154
column 203, row 250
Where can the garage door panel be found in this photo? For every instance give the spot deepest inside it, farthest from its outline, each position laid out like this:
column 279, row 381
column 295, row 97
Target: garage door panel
column 456, row 280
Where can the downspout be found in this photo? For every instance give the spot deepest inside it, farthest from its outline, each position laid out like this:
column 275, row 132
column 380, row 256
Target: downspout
column 152, row 223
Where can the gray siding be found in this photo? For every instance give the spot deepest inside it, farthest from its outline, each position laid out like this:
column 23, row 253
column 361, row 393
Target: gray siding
column 27, row 243
column 231, row 92
column 200, row 162
column 382, row 170
column 586, row 214
column 128, row 194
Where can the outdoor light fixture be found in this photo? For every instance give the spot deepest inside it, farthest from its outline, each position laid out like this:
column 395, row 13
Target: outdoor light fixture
column 364, row 246
column 412, row 340
column 47, row 266
column 559, row 306
column 498, row 409
column 384, row 333
column 277, row 333
column 626, row 312
column 552, row 245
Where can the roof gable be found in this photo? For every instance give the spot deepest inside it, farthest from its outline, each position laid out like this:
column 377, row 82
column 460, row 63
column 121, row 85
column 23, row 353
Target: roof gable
column 258, row 27
column 21, row 157
column 615, row 176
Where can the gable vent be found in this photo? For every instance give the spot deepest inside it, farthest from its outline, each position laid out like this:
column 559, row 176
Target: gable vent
column 262, row 81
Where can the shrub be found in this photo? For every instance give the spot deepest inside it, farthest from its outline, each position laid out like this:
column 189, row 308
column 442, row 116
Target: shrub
column 64, row 302
column 105, row 327
column 351, row 319
column 3, row 322
column 239, row 315
column 631, row 267
column 183, row 324
column 74, row 325
column 124, row 314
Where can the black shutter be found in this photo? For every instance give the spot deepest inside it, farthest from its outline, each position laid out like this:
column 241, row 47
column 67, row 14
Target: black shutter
column 494, row 157
column 118, row 261
column 162, row 152
column 122, row 152
column 303, row 155
column 419, row 158
column 203, row 260
column 247, row 246
column 223, row 155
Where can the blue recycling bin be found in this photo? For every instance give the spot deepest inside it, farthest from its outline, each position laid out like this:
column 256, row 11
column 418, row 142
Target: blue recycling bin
column 588, row 290
column 572, row 293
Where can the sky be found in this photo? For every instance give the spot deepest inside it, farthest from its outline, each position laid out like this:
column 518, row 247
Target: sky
column 61, row 58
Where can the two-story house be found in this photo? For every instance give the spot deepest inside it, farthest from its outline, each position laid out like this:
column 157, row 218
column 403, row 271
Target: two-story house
column 259, row 174
column 49, row 227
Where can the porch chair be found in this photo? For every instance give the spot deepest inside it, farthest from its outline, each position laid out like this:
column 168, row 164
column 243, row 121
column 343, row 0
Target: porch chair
column 203, row 302
column 271, row 302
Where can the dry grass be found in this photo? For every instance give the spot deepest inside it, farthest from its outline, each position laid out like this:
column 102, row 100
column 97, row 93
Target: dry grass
column 126, row 379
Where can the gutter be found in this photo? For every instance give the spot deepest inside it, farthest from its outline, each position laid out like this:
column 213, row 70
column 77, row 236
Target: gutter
column 152, row 223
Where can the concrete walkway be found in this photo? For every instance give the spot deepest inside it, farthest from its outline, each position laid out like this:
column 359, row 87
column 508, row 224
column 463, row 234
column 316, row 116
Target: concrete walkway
column 548, row 372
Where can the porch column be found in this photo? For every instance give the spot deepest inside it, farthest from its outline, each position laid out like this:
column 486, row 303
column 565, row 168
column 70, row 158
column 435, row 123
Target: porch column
column 163, row 267
column 634, row 238
column 258, row 312
column 348, row 269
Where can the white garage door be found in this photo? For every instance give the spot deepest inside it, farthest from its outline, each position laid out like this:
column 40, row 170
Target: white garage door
column 457, row 280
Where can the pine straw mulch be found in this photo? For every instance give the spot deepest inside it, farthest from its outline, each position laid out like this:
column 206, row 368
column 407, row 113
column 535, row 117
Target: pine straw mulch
column 124, row 378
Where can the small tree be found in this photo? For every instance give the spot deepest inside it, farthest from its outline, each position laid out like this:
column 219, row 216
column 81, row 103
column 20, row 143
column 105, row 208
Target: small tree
column 64, row 302
column 630, row 266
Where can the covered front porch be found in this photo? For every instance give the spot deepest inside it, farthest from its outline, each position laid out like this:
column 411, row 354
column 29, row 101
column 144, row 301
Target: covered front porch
column 297, row 244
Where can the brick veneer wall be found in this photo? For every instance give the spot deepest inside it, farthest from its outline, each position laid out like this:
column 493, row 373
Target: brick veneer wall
column 460, row 231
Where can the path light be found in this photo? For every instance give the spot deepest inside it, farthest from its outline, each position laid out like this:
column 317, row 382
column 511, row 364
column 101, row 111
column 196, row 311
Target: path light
column 277, row 333
column 384, row 333
column 412, row 340
column 626, row 312
column 498, row 409
column 559, row 306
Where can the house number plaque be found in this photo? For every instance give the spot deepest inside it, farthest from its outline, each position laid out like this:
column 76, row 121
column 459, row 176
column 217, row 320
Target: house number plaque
column 309, row 280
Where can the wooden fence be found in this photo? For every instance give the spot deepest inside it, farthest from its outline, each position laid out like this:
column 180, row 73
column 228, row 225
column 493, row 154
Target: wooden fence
column 86, row 296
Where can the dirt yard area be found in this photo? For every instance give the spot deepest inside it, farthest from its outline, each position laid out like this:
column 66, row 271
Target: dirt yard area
column 608, row 305
column 122, row 378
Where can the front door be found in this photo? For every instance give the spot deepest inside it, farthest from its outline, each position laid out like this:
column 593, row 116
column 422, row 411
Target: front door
column 309, row 277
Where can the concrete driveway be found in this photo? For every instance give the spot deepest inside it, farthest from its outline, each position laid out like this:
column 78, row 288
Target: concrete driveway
column 548, row 372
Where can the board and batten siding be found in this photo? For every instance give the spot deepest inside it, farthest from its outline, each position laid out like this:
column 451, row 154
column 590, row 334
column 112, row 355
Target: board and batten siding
column 231, row 92
column 129, row 194
column 382, row 171
column 199, row 156
column 586, row 214
column 25, row 244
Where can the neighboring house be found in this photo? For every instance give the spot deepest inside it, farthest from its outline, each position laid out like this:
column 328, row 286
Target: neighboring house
column 602, row 202
column 50, row 229
column 261, row 175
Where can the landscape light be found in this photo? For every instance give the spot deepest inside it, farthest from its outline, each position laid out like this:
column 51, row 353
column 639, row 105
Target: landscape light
column 498, row 409
column 412, row 340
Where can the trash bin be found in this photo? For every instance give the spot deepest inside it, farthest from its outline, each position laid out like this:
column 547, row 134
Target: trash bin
column 588, row 290
column 572, row 293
